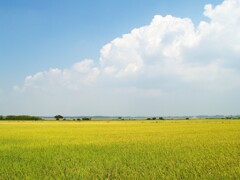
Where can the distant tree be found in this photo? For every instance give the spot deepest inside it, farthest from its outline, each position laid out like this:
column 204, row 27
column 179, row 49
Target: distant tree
column 161, row 118
column 154, row 118
column 78, row 119
column 57, row 117
column 187, row 118
column 1, row 117
column 148, row 118
column 86, row 118
column 119, row 117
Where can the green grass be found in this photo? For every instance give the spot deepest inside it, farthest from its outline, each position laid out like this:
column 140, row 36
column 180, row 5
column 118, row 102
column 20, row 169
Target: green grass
column 120, row 150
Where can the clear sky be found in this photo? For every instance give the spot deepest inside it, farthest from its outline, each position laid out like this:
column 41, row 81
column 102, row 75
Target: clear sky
column 71, row 58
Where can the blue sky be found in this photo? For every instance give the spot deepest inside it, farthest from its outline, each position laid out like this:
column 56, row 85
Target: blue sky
column 38, row 35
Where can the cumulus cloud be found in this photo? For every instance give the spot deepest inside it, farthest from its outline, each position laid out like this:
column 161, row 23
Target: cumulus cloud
column 81, row 74
column 173, row 49
column 159, row 59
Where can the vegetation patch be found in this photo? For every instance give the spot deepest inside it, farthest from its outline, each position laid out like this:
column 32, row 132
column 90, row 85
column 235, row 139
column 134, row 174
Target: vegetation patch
column 20, row 117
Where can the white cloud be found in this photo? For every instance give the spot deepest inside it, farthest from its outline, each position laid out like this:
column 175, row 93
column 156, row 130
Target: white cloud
column 170, row 46
column 81, row 74
column 148, row 46
column 165, row 58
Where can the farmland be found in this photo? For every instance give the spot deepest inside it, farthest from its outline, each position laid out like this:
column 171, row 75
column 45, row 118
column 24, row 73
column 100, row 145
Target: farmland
column 196, row 149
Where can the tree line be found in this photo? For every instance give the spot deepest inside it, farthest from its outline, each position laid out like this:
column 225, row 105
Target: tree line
column 60, row 117
column 20, row 117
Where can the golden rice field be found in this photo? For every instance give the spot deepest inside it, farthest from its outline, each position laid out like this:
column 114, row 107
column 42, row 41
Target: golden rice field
column 195, row 149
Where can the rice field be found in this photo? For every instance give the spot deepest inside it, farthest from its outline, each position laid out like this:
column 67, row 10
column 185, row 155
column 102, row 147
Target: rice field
column 179, row 149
